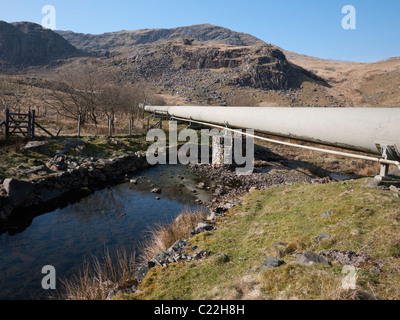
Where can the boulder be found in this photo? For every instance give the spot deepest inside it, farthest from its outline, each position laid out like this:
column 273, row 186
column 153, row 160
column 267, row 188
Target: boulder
column 271, row 263
column 19, row 192
column 41, row 147
column 201, row 227
column 142, row 271
column 178, row 246
column 310, row 258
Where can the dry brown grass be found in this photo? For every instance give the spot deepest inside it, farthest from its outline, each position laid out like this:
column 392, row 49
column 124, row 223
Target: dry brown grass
column 368, row 169
column 164, row 236
column 97, row 278
column 248, row 287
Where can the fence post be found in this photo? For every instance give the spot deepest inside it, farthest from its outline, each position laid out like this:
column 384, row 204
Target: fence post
column 6, row 123
column 33, row 123
column 79, row 126
column 109, row 128
column 130, row 127
column 29, row 126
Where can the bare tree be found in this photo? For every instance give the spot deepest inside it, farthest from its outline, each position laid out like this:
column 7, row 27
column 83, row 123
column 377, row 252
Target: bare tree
column 10, row 94
column 75, row 93
column 112, row 100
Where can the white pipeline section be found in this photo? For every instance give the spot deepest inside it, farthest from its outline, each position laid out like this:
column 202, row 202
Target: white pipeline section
column 370, row 130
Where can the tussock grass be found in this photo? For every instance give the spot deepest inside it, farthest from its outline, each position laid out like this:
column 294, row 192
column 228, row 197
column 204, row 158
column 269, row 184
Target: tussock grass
column 163, row 236
column 98, row 277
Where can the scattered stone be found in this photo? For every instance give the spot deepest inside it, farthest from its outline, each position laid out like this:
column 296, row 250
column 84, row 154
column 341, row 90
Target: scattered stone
column 393, row 188
column 201, row 227
column 211, row 217
column 327, row 214
column 201, row 185
column 200, row 254
column 134, row 181
column 271, row 263
column 156, row 190
column 58, row 163
column 355, row 232
column 178, row 246
column 322, row 237
column 41, row 147
column 358, row 260
column 160, row 258
column 310, row 258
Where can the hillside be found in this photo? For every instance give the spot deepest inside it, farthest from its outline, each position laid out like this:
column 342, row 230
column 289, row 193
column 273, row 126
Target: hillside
column 356, row 84
column 124, row 40
column 213, row 73
column 206, row 65
column 27, row 44
column 277, row 245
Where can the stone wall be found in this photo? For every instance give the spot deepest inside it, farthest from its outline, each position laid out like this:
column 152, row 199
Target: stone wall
column 78, row 176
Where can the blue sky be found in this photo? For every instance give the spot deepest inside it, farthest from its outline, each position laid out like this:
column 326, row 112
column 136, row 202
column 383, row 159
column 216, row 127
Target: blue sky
column 312, row 27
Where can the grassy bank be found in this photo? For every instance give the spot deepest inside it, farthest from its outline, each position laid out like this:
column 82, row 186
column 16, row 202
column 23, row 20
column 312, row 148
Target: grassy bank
column 281, row 222
column 15, row 162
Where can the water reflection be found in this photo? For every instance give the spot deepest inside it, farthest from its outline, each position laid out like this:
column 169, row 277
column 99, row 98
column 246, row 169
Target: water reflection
column 111, row 218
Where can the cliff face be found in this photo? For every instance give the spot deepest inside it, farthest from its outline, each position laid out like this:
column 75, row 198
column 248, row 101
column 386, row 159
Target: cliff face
column 175, row 65
column 26, row 44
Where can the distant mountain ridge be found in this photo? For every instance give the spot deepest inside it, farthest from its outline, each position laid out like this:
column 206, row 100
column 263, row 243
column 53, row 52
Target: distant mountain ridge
column 26, row 43
column 123, row 40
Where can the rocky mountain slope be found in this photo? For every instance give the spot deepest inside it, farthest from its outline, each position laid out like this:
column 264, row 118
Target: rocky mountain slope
column 202, row 64
column 124, row 40
column 26, row 44
column 210, row 73
column 206, row 65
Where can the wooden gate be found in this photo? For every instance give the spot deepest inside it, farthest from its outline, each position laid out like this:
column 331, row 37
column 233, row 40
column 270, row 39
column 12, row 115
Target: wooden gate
column 19, row 123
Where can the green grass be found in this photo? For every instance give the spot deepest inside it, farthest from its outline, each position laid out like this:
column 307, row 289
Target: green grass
column 280, row 222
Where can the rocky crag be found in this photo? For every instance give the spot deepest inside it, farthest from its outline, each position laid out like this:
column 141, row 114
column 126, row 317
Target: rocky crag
column 27, row 44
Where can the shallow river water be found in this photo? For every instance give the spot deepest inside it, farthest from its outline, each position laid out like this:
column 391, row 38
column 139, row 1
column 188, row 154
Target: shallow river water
column 112, row 218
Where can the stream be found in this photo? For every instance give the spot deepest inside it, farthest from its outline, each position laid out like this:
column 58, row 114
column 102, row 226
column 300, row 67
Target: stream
column 112, row 218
